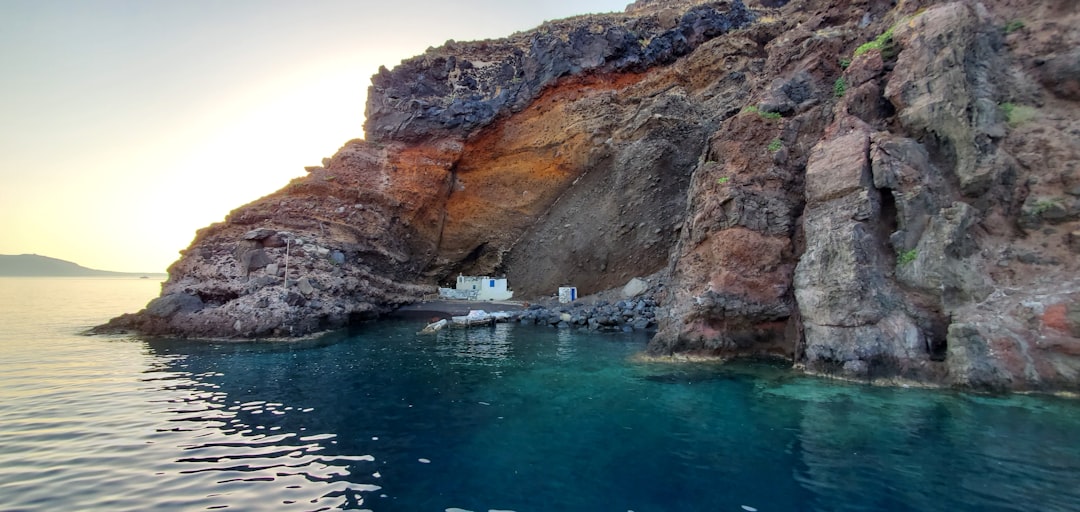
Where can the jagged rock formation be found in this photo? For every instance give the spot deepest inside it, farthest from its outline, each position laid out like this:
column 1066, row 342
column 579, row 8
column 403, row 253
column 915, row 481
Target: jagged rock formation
column 905, row 209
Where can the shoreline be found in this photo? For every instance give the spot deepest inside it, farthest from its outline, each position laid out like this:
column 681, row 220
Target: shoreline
column 448, row 308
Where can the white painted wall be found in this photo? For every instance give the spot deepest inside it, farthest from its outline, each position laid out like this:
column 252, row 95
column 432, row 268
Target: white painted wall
column 487, row 288
column 567, row 294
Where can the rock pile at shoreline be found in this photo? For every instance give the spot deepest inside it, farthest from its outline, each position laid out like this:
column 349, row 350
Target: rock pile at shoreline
column 624, row 315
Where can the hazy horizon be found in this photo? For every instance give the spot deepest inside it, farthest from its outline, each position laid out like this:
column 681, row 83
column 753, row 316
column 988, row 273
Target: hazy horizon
column 131, row 124
column 42, row 265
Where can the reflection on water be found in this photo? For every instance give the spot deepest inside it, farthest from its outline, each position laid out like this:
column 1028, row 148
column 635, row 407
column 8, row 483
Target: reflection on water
column 564, row 344
column 483, row 345
column 248, row 448
column 504, row 418
column 242, row 448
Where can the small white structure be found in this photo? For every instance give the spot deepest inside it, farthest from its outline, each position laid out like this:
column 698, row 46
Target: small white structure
column 567, row 294
column 478, row 288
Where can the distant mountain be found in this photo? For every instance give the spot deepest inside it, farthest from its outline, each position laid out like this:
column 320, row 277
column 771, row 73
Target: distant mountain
column 30, row 265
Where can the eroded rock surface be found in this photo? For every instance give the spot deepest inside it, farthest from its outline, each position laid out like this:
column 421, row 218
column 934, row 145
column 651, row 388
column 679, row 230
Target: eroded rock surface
column 904, row 210
column 460, row 87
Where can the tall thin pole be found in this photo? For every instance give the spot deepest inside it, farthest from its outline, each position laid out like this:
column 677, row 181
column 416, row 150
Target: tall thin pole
column 285, row 284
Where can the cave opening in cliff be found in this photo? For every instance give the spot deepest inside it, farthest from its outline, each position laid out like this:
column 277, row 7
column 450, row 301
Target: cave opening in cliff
column 217, row 297
column 357, row 318
column 472, row 263
column 889, row 223
column 937, row 345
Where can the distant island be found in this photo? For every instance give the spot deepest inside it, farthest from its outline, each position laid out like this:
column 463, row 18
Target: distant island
column 33, row 265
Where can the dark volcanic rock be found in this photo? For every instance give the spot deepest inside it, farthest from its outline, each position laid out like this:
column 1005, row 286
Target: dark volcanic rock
column 173, row 303
column 1061, row 74
column 458, row 88
column 623, row 317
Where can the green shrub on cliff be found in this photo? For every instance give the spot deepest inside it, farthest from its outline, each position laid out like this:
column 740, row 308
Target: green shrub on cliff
column 1013, row 26
column 839, row 87
column 766, row 115
column 1018, row 114
column 1044, row 205
column 907, row 257
column 882, row 43
column 775, row 145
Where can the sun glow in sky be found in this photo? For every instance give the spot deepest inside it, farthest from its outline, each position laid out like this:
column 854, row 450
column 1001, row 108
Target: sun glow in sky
column 129, row 124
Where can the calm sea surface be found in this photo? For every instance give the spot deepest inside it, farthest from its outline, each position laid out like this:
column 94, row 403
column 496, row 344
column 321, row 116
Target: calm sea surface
column 511, row 418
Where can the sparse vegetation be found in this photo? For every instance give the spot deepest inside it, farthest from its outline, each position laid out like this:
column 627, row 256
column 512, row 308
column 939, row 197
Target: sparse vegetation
column 1013, row 26
column 1018, row 114
column 775, row 145
column 1044, row 205
column 882, row 43
column 839, row 87
column 907, row 257
column 844, row 63
column 766, row 115
column 722, row 180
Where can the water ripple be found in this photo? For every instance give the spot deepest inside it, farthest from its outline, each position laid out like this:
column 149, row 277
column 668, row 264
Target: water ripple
column 225, row 439
column 503, row 419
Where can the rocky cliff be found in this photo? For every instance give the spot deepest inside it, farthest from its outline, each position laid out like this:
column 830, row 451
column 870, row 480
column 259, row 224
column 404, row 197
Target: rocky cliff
column 874, row 190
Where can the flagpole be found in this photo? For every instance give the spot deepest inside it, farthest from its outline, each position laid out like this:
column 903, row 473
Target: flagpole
column 285, row 284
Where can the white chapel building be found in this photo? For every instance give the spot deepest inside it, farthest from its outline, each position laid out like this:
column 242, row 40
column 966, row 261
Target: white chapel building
column 478, row 288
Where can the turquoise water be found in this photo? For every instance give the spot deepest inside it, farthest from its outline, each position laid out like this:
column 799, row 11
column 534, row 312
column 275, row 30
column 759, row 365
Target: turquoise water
column 511, row 418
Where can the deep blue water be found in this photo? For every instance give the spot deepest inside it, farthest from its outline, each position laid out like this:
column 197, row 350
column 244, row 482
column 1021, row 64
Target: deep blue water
column 511, row 418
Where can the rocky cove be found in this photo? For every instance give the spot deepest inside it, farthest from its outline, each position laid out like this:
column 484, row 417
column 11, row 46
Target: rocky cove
column 874, row 190
column 631, row 308
column 623, row 315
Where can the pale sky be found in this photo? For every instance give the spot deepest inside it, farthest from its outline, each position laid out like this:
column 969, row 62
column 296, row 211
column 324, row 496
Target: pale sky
column 129, row 124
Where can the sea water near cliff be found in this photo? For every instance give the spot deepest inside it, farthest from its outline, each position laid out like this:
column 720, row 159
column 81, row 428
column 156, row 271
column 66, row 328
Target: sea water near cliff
column 510, row 418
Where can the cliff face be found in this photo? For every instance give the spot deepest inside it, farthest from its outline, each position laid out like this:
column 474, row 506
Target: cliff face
column 905, row 209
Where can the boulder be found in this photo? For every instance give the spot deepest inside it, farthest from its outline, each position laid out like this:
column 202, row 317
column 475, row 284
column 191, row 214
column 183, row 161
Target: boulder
column 259, row 234
column 304, row 286
column 635, row 288
column 1061, row 74
column 173, row 303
